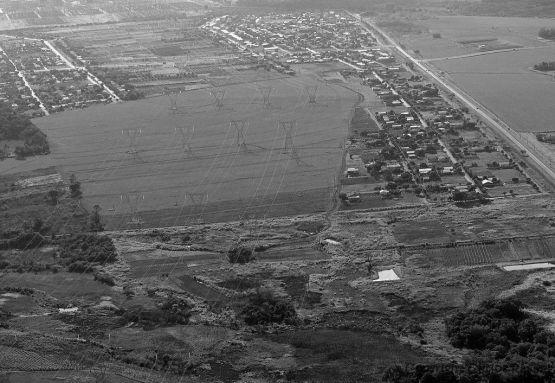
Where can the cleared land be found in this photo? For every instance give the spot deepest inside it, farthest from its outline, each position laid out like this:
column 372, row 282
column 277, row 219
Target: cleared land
column 217, row 179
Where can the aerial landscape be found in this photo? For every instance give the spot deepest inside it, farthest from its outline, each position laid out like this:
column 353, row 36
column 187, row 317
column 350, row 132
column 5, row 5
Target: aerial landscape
column 277, row 191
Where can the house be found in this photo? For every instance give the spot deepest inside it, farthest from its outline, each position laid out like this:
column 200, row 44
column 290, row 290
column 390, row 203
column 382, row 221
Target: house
column 352, row 172
column 447, row 170
column 425, row 171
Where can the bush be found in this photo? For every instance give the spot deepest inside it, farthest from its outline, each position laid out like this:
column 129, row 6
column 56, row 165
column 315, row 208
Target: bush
column 172, row 310
column 240, row 255
column 104, row 278
column 23, row 241
column 88, row 248
column 264, row 308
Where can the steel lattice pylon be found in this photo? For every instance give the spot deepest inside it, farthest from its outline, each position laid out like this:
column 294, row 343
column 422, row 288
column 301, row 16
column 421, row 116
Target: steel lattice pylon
column 133, row 200
column 265, row 92
column 240, row 126
column 197, row 200
column 132, row 134
column 218, row 95
column 312, row 92
column 186, row 136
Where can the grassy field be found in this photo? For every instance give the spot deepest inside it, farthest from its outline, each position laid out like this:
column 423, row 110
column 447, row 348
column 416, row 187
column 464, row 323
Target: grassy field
column 504, row 84
column 456, row 29
column 216, row 175
column 501, row 81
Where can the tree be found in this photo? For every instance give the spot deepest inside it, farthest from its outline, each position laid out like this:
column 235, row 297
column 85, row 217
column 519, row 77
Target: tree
column 96, row 222
column 74, row 187
column 240, row 255
column 53, row 196
column 264, row 308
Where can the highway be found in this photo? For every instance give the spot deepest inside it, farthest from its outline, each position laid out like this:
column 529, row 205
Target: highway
column 468, row 101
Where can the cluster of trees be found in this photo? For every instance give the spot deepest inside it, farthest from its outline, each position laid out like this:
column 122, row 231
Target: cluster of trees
column 15, row 126
column 509, row 346
column 545, row 66
column 240, row 255
column 468, row 198
column 547, row 33
column 173, row 310
column 265, row 308
column 82, row 252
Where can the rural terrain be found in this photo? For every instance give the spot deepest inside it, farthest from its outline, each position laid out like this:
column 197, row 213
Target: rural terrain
column 262, row 191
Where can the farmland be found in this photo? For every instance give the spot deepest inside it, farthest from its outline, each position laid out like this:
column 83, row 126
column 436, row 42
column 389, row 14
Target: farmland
column 164, row 173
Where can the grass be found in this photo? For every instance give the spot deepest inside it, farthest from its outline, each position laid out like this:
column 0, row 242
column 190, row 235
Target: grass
column 90, row 144
column 327, row 355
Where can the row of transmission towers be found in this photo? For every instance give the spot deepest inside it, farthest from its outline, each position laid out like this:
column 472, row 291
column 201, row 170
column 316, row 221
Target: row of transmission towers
column 218, row 96
column 196, row 200
column 134, row 200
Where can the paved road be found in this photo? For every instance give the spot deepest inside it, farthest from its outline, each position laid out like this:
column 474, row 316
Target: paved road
column 467, row 100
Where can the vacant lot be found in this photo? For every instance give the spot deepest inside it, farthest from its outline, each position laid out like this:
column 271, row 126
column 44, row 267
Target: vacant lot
column 141, row 156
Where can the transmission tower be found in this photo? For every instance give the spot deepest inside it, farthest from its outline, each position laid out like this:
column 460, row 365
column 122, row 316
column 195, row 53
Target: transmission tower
column 288, row 127
column 183, row 66
column 218, row 95
column 288, row 145
column 186, row 135
column 133, row 200
column 197, row 201
column 240, row 127
column 132, row 134
column 265, row 92
column 311, row 91
column 173, row 101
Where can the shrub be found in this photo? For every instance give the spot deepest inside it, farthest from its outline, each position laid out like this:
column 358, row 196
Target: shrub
column 89, row 248
column 264, row 308
column 240, row 255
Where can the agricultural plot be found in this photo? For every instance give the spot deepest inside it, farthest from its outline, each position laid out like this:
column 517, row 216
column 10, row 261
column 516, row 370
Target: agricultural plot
column 483, row 254
column 461, row 35
column 144, row 158
column 504, row 84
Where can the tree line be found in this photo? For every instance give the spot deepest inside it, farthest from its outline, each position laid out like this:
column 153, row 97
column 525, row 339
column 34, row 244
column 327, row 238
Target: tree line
column 547, row 33
column 16, row 126
column 545, row 66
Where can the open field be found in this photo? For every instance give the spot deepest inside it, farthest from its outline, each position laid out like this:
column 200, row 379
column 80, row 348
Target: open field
column 506, row 86
column 161, row 173
column 463, row 34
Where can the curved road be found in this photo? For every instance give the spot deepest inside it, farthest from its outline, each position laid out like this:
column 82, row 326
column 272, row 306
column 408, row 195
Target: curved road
column 472, row 104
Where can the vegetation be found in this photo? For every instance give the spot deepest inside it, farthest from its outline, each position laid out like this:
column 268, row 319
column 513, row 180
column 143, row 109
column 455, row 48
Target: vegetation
column 527, row 8
column 74, row 187
column 547, row 33
column 240, row 255
column 172, row 310
column 265, row 308
column 545, row 66
column 15, row 126
column 510, row 346
column 96, row 223
column 22, row 241
column 84, row 251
